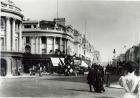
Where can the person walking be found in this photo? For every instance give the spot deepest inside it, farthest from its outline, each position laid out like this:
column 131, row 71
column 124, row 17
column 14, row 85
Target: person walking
column 130, row 82
column 91, row 78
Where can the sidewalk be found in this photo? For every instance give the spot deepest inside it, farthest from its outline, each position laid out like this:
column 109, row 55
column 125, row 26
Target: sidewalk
column 115, row 85
column 46, row 76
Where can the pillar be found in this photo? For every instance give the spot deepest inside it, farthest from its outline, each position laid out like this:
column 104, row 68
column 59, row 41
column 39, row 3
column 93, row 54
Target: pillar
column 39, row 48
column 23, row 43
column 9, row 66
column 20, row 37
column 32, row 45
column 66, row 47
column 46, row 46
column 8, row 34
column 37, row 45
column 13, row 35
column 60, row 44
column 54, row 45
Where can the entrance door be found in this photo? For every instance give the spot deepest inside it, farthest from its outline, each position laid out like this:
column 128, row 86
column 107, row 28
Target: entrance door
column 3, row 67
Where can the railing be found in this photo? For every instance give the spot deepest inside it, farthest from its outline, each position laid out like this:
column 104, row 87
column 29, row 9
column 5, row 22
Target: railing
column 9, row 6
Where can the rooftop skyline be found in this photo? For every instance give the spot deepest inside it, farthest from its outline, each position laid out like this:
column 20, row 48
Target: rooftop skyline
column 109, row 24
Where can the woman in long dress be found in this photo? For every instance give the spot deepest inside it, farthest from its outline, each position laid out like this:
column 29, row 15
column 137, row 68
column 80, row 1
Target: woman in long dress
column 130, row 82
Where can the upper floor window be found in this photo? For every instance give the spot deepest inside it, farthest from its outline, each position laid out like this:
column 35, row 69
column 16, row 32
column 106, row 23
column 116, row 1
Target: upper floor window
column 27, row 26
column 27, row 40
column 34, row 26
column 57, row 40
column 43, row 40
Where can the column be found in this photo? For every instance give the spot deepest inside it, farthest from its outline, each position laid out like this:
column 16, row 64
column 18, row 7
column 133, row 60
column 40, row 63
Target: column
column 13, row 35
column 37, row 45
column 9, row 67
column 8, row 34
column 66, row 47
column 61, row 44
column 23, row 43
column 32, row 45
column 20, row 37
column 46, row 46
column 39, row 48
column 54, row 45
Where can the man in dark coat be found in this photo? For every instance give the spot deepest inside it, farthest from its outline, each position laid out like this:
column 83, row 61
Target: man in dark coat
column 91, row 78
column 99, row 79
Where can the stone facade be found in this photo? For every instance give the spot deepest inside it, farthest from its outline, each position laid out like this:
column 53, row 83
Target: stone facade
column 10, row 38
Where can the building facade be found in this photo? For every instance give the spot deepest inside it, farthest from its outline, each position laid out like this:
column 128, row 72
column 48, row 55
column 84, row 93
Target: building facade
column 10, row 38
column 48, row 38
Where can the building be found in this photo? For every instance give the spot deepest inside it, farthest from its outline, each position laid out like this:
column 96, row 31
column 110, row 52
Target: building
column 97, row 57
column 84, row 50
column 132, row 54
column 46, row 39
column 10, row 38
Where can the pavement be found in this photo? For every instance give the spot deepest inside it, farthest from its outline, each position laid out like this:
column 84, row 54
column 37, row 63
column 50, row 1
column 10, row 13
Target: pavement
column 51, row 86
column 54, row 76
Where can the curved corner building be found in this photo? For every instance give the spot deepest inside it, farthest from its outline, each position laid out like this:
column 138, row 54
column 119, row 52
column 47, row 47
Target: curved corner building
column 10, row 38
column 45, row 40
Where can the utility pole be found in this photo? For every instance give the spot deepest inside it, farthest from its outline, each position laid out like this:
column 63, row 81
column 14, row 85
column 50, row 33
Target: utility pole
column 137, row 38
column 85, row 28
column 57, row 8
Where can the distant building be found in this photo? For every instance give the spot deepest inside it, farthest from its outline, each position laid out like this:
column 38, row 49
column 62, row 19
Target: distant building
column 131, row 54
column 47, row 38
column 121, row 57
column 97, row 57
column 10, row 38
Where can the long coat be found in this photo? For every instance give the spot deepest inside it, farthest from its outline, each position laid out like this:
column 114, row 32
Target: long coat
column 91, row 76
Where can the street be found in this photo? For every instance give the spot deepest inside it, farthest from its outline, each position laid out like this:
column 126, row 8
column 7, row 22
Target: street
column 52, row 87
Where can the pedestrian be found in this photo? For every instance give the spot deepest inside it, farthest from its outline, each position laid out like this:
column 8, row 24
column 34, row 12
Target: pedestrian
column 130, row 82
column 39, row 70
column 91, row 78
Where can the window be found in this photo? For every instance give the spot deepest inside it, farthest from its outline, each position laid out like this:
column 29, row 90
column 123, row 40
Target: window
column 57, row 40
column 84, row 52
column 49, row 44
column 43, row 51
column 27, row 40
column 34, row 26
column 43, row 40
column 27, row 26
column 2, row 43
column 3, row 24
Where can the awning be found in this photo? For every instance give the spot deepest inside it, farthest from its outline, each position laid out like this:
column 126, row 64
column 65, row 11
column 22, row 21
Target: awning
column 83, row 64
column 56, row 61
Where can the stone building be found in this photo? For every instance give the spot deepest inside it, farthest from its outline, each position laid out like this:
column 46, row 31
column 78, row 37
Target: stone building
column 10, row 38
column 46, row 40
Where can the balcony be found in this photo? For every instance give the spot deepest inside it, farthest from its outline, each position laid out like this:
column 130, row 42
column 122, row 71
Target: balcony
column 10, row 6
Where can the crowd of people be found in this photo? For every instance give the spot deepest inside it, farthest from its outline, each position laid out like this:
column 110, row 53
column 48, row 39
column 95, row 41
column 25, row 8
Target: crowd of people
column 95, row 78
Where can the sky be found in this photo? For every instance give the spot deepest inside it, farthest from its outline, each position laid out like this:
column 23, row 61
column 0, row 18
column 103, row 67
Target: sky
column 109, row 24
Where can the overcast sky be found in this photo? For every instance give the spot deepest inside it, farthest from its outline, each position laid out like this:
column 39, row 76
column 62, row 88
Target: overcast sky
column 109, row 24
